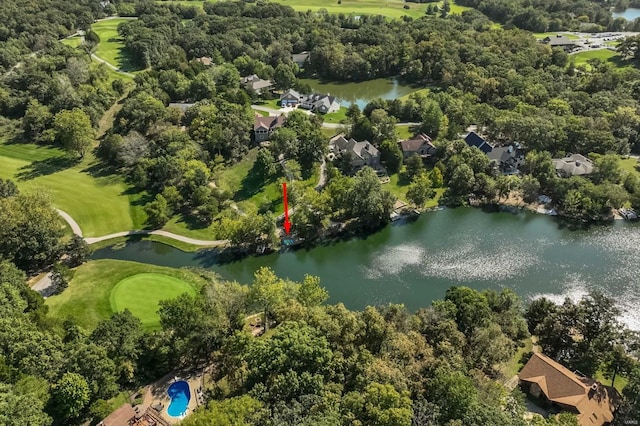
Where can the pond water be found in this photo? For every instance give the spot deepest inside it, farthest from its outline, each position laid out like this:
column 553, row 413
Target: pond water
column 629, row 14
column 363, row 92
column 415, row 263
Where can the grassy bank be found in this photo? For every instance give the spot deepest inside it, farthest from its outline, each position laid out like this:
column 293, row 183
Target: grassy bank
column 88, row 297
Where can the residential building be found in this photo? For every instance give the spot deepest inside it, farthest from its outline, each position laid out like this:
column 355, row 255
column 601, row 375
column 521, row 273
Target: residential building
column 418, row 145
column 361, row 153
column 182, row 106
column 205, row 60
column 508, row 158
column 561, row 41
column 264, row 126
column 556, row 388
column 123, row 416
column 255, row 83
column 323, row 104
column 290, row 98
column 300, row 58
column 573, row 165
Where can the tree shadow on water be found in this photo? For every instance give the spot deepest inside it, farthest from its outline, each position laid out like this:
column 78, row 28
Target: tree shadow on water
column 45, row 167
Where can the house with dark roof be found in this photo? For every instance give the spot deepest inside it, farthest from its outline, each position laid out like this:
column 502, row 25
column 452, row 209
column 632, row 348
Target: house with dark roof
column 263, row 127
column 559, row 40
column 290, row 98
column 256, row 84
column 300, row 58
column 420, row 144
column 361, row 153
column 508, row 158
column 573, row 165
column 323, row 104
column 556, row 388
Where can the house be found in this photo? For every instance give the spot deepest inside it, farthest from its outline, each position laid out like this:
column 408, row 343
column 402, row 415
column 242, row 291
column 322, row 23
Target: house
column 290, row 98
column 508, row 158
column 264, row 126
column 557, row 388
column 300, row 58
column 255, row 83
column 418, row 145
column 573, row 165
column 323, row 104
column 559, row 41
column 205, row 60
column 472, row 139
column 125, row 415
column 182, row 106
column 361, row 153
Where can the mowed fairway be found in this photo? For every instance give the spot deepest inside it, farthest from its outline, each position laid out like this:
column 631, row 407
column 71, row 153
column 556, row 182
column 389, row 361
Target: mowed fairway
column 142, row 293
column 100, row 203
column 88, row 299
column 111, row 46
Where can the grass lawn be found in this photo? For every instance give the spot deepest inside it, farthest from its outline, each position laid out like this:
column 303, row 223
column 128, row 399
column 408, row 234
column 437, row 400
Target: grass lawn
column 88, row 298
column 514, row 365
column 605, row 55
column 111, row 46
column 620, row 383
column 399, row 188
column 72, row 41
column 552, row 34
column 630, row 165
column 101, row 203
column 142, row 293
column 407, row 96
column 336, row 117
column 404, row 132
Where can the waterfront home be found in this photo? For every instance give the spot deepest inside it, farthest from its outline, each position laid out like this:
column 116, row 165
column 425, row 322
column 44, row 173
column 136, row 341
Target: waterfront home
column 361, row 153
column 256, row 84
column 263, row 127
column 418, row 145
column 508, row 158
column 290, row 98
column 573, row 165
column 556, row 388
column 324, row 104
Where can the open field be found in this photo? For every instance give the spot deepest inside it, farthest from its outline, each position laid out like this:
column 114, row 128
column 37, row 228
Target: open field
column 88, row 297
column 101, row 203
column 142, row 293
column 389, row 8
column 553, row 34
column 605, row 55
column 111, row 46
column 74, row 41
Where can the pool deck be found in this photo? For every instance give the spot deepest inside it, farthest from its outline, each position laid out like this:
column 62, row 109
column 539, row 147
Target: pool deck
column 157, row 392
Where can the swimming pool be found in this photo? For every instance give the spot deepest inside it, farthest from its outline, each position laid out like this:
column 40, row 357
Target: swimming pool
column 180, row 395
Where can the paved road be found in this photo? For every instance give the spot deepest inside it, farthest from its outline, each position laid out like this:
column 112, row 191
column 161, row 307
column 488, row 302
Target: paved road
column 44, row 285
column 91, row 240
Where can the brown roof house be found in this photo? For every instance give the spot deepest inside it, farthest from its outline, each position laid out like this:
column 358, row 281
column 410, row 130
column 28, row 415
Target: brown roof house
column 557, row 388
column 264, row 126
column 418, row 145
column 125, row 415
column 361, row 153
column 573, row 165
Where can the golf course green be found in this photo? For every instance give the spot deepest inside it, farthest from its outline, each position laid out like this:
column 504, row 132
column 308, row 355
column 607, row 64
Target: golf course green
column 142, row 293
column 101, row 287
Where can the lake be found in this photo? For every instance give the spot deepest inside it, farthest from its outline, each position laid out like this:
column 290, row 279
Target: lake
column 363, row 92
column 629, row 14
column 415, row 263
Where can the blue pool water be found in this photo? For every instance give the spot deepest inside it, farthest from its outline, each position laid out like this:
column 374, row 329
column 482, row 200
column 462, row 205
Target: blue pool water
column 180, row 394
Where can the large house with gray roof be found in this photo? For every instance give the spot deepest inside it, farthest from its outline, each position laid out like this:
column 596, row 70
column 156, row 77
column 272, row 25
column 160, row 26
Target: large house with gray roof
column 323, row 104
column 361, row 153
column 573, row 165
column 508, row 158
column 255, row 83
column 560, row 41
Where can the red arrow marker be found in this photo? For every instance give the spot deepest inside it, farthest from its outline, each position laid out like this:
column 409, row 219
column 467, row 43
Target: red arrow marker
column 287, row 223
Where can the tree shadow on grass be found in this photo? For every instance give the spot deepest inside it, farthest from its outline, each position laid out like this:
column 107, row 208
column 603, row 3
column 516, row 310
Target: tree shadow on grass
column 45, row 167
column 250, row 186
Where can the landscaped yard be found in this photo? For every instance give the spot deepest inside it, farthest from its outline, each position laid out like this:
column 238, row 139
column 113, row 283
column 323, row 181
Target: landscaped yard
column 101, row 203
column 336, row 117
column 399, row 189
column 90, row 294
column 111, row 46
